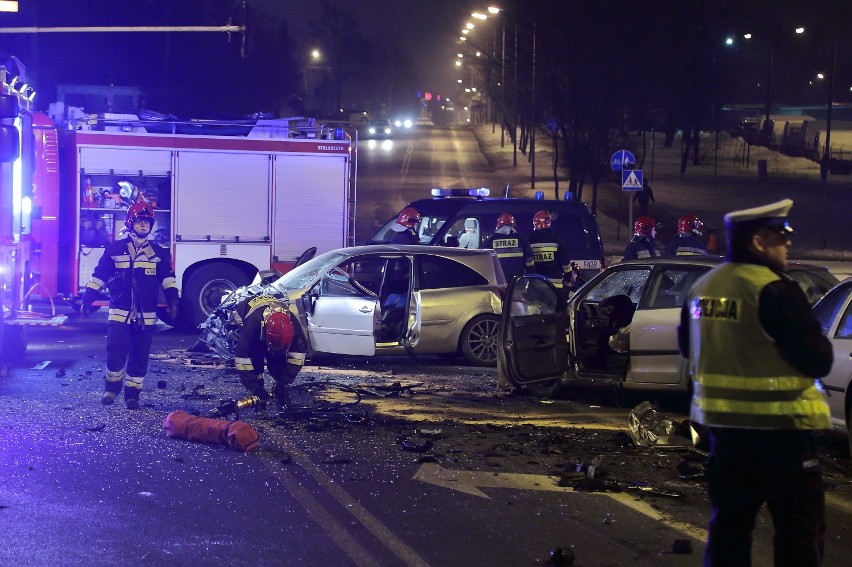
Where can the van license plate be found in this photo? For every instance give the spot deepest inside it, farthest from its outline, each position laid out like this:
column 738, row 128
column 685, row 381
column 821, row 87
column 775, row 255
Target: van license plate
column 589, row 264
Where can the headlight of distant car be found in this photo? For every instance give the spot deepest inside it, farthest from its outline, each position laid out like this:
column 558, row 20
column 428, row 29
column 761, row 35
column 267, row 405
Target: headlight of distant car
column 388, row 130
column 371, row 130
column 406, row 123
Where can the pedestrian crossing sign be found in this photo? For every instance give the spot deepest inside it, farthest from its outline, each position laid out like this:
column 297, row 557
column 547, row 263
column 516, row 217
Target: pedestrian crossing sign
column 631, row 180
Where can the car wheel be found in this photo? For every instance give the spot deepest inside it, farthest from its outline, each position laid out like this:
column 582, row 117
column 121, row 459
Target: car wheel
column 205, row 289
column 478, row 340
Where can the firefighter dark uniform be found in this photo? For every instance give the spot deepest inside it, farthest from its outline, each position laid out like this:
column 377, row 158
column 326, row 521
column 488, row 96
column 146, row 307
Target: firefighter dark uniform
column 754, row 350
column 688, row 241
column 512, row 250
column 404, row 231
column 642, row 244
column 253, row 351
column 687, row 245
column 133, row 270
column 550, row 257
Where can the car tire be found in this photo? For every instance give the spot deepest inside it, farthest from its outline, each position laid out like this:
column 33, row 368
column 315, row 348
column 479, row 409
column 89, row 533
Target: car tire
column 478, row 340
column 205, row 288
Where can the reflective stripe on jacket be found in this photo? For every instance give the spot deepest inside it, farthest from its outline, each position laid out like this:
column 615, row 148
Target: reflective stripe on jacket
column 740, row 377
column 550, row 257
column 134, row 277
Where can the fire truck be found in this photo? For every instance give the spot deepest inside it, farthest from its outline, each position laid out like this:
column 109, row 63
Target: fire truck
column 28, row 216
column 230, row 198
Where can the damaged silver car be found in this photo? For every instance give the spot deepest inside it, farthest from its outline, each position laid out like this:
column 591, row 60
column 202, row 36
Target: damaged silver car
column 383, row 300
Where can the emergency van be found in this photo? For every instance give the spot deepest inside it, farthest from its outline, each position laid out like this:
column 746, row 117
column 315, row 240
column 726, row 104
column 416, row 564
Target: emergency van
column 445, row 214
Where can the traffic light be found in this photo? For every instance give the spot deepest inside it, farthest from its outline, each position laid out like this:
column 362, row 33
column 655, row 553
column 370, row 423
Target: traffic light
column 10, row 144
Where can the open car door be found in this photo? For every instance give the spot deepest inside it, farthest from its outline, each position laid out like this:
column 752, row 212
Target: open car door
column 342, row 316
column 532, row 345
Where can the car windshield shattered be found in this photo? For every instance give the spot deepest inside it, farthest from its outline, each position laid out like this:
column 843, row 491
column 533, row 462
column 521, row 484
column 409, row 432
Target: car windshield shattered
column 221, row 329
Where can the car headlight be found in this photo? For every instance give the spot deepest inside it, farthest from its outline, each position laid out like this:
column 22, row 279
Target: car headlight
column 372, row 130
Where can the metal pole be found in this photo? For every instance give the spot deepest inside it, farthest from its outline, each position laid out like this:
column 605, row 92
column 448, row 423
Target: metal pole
column 766, row 127
column 532, row 118
column 503, row 87
column 515, row 109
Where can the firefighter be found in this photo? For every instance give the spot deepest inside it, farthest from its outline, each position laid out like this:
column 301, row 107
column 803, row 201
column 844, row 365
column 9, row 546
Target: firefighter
column 404, row 231
column 688, row 241
column 642, row 245
column 512, row 250
column 133, row 269
column 755, row 350
column 550, row 257
column 270, row 334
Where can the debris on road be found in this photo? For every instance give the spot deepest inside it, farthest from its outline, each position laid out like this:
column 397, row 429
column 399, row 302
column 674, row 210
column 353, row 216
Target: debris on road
column 41, row 365
column 650, row 427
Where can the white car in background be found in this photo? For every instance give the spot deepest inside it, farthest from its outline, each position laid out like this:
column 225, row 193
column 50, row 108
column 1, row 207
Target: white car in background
column 834, row 312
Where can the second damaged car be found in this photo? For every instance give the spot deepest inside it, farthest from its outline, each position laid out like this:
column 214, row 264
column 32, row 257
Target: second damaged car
column 618, row 330
column 383, row 300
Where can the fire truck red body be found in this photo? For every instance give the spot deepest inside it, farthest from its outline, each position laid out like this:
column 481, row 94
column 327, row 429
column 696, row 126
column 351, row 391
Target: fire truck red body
column 29, row 224
column 230, row 198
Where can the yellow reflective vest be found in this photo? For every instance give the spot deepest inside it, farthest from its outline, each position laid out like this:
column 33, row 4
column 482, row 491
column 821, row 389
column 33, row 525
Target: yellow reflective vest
column 740, row 377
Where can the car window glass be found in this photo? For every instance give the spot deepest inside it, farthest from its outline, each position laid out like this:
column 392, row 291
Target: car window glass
column 438, row 273
column 306, row 274
column 367, row 273
column 844, row 330
column 533, row 296
column 828, row 307
column 429, row 227
column 670, row 286
column 620, row 282
column 811, row 283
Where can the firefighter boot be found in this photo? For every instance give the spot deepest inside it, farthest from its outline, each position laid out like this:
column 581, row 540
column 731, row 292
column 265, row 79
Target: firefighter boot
column 282, row 395
column 112, row 386
column 132, row 389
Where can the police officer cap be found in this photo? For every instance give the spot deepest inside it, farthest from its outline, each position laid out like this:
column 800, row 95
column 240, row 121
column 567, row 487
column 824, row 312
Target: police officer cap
column 751, row 220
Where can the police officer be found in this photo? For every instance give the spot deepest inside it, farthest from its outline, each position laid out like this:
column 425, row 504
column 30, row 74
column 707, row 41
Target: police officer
column 754, row 350
column 512, row 250
column 133, row 269
column 270, row 336
column 688, row 241
column 550, row 257
column 404, row 229
column 642, row 244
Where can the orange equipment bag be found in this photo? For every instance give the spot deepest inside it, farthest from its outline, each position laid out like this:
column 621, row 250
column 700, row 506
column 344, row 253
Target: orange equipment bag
column 237, row 435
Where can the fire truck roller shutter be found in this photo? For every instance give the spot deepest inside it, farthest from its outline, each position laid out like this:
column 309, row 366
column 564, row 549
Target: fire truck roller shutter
column 310, row 191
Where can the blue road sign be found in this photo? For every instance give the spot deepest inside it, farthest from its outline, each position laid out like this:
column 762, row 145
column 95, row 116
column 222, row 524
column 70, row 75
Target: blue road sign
column 631, row 180
column 622, row 159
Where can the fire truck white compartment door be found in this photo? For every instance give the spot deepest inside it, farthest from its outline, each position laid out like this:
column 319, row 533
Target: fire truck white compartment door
column 125, row 161
column 343, row 325
column 222, row 197
column 310, row 204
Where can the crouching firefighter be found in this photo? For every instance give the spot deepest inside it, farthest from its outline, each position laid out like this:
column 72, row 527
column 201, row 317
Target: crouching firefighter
column 133, row 269
column 271, row 335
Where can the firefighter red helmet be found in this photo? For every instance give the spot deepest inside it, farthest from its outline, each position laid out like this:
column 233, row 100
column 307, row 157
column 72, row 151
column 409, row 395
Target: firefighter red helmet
column 689, row 223
column 139, row 211
column 279, row 332
column 645, row 226
column 541, row 220
column 505, row 219
column 408, row 217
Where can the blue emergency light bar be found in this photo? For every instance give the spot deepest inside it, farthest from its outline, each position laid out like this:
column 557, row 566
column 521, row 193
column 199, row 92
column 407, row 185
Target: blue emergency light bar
column 480, row 192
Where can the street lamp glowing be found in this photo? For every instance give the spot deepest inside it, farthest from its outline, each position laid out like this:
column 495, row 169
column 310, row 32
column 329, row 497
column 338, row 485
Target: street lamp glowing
column 479, row 16
column 469, row 26
column 458, row 63
column 746, row 36
column 460, row 55
column 465, row 32
column 800, row 30
column 315, row 54
column 493, row 10
column 479, row 54
column 820, row 76
column 729, row 41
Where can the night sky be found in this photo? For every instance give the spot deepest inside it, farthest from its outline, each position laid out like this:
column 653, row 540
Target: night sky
column 189, row 73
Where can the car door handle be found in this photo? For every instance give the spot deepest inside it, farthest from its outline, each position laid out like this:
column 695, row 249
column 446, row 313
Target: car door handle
column 365, row 309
